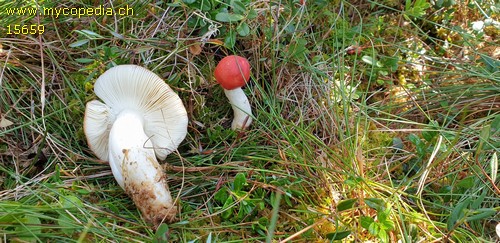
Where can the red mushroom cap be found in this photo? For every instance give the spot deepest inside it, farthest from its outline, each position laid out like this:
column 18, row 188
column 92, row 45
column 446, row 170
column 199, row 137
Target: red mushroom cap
column 232, row 72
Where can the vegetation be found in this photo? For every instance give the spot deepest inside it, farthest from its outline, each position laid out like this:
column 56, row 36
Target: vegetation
column 374, row 120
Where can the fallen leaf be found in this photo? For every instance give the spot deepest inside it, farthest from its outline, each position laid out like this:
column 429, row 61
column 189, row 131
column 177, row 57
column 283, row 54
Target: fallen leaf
column 5, row 123
column 195, row 49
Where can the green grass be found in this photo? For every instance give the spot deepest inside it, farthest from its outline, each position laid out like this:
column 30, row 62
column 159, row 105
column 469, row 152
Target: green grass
column 374, row 120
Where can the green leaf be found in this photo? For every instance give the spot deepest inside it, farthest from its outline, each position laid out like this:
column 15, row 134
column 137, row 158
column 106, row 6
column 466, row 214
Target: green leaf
column 383, row 214
column 290, row 28
column 243, row 29
column 484, row 136
column 338, row 235
column 382, row 234
column 228, row 17
column 346, row 204
column 252, row 14
column 230, row 39
column 481, row 213
column 494, row 167
column 397, row 143
column 241, row 212
column 369, row 60
column 374, row 229
column 298, row 48
column 227, row 208
column 478, row 201
column 205, row 5
column 84, row 60
column 418, row 9
column 428, row 135
column 66, row 223
column 445, row 3
column 419, row 145
column 392, row 63
column 495, row 125
column 263, row 222
column 375, row 203
column 30, row 229
column 414, row 139
column 79, row 43
column 89, row 33
column 161, row 234
column 352, row 181
column 466, row 183
column 385, row 222
column 119, row 36
column 491, row 64
column 240, row 181
column 238, row 7
column 69, row 202
column 380, row 64
column 366, row 221
column 10, row 217
column 382, row 72
column 388, row 224
column 221, row 195
column 458, row 213
column 209, row 238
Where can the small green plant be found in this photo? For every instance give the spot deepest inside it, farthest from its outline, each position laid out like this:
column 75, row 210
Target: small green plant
column 382, row 224
column 469, row 210
column 237, row 202
column 381, row 68
column 25, row 226
column 416, row 8
column 221, row 18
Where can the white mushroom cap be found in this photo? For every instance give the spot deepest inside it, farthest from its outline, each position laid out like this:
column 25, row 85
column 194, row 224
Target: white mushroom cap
column 97, row 124
column 131, row 87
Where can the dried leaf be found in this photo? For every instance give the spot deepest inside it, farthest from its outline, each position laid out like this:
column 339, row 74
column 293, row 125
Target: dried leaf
column 195, row 49
column 5, row 123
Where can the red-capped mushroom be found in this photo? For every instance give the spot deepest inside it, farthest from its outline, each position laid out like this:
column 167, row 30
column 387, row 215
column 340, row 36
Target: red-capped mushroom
column 232, row 73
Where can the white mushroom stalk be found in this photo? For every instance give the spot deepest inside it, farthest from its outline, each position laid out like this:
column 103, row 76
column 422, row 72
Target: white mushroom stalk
column 241, row 108
column 134, row 164
column 141, row 119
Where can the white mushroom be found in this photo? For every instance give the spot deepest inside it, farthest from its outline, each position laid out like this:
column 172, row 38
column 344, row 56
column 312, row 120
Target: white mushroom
column 141, row 119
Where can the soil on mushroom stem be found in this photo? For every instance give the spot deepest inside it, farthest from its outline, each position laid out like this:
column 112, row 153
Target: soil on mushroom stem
column 145, row 193
column 145, row 199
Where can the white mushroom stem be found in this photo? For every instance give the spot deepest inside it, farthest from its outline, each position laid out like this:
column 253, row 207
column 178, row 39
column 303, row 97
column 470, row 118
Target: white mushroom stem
column 134, row 165
column 241, row 108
